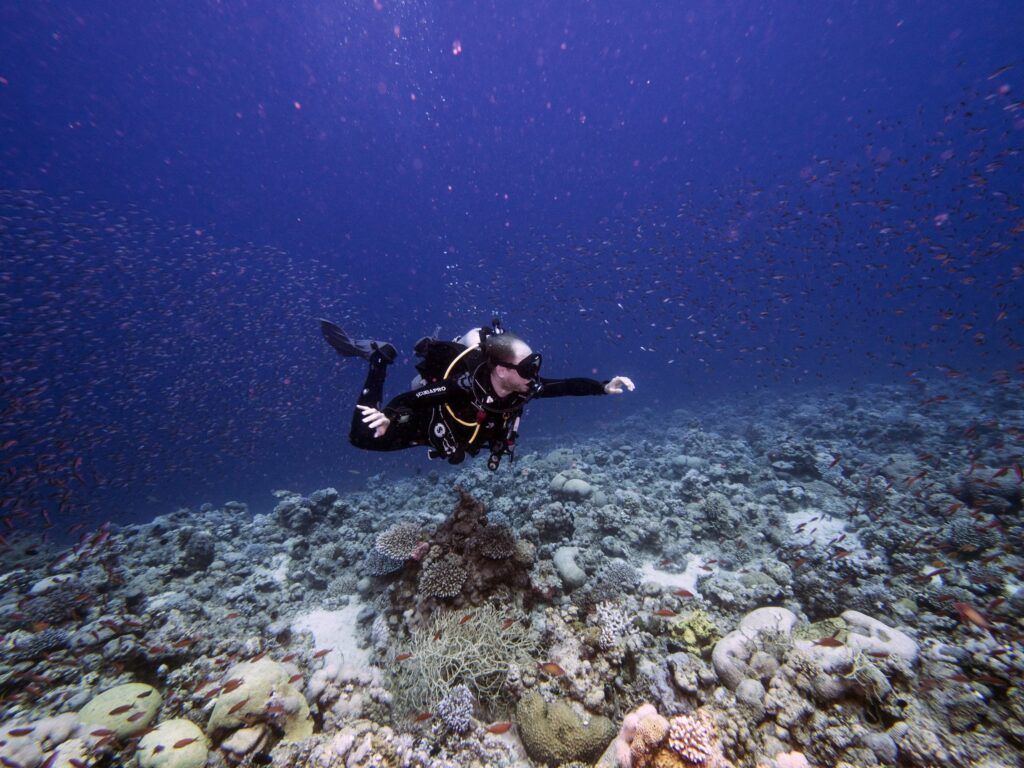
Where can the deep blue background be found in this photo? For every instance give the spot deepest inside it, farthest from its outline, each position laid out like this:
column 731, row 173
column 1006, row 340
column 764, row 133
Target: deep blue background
column 709, row 197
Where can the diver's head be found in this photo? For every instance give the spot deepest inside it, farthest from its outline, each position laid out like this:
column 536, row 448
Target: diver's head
column 514, row 366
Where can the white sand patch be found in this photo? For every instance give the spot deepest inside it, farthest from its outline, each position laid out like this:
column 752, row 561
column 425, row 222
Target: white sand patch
column 686, row 580
column 819, row 529
column 336, row 630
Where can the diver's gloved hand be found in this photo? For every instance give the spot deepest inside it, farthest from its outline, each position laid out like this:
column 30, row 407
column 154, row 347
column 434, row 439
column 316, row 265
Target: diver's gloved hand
column 616, row 385
column 375, row 420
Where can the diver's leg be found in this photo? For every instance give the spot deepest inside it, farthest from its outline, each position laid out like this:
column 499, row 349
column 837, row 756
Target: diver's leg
column 372, row 395
column 346, row 346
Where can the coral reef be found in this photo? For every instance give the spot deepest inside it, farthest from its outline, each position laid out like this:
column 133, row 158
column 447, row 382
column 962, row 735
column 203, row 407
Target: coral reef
column 868, row 617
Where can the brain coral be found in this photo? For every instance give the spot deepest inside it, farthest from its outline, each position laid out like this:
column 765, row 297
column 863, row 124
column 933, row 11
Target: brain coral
column 555, row 734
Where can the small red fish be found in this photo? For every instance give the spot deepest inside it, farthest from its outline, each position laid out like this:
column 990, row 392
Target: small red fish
column 231, row 684
column 288, row 658
column 403, row 656
column 21, row 731
column 233, row 615
column 101, row 732
column 120, row 710
column 552, row 669
column 799, row 561
column 507, row 623
column 992, row 680
column 136, row 716
column 839, row 554
column 321, row 653
column 828, row 642
column 835, row 461
column 423, row 716
column 294, row 679
column 682, row 593
column 180, row 743
column 1000, row 472
column 465, row 618
column 238, row 705
column 664, row 612
column 971, row 615
column 914, row 478
column 146, row 693
column 499, row 728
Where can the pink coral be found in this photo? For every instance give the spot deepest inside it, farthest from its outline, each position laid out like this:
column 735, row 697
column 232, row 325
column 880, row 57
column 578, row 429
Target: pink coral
column 791, row 760
column 650, row 733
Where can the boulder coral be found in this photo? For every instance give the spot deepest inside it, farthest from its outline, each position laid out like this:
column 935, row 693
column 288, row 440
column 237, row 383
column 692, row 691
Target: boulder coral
column 177, row 743
column 262, row 694
column 555, row 733
column 124, row 709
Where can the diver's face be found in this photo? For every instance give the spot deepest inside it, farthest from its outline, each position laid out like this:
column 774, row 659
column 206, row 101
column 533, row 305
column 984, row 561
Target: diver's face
column 518, row 374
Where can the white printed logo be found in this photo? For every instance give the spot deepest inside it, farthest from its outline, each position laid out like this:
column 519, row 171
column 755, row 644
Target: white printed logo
column 433, row 391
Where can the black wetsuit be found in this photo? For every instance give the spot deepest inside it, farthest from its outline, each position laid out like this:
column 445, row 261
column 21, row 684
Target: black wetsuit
column 445, row 413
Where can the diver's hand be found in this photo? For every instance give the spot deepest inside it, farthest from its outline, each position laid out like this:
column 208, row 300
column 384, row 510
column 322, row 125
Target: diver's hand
column 375, row 420
column 616, row 385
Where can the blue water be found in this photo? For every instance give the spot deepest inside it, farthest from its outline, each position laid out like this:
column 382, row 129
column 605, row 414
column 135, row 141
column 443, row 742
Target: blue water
column 713, row 199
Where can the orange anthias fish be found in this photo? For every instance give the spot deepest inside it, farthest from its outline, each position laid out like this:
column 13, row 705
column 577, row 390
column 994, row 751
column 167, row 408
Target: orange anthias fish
column 971, row 615
column 552, row 669
column 499, row 728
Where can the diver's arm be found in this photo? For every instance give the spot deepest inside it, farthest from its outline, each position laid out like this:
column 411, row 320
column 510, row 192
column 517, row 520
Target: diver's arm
column 570, row 387
column 580, row 386
column 403, row 406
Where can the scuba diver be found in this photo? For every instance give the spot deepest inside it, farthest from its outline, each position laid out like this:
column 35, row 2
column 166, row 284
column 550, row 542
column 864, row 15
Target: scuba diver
column 469, row 394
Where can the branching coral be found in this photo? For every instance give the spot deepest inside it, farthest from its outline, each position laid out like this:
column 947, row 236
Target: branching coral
column 693, row 738
column 453, row 650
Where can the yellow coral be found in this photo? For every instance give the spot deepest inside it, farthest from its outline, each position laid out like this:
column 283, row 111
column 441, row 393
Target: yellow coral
column 668, row 758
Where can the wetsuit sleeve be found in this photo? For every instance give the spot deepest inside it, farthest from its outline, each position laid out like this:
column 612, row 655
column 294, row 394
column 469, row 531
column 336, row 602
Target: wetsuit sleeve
column 570, row 387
